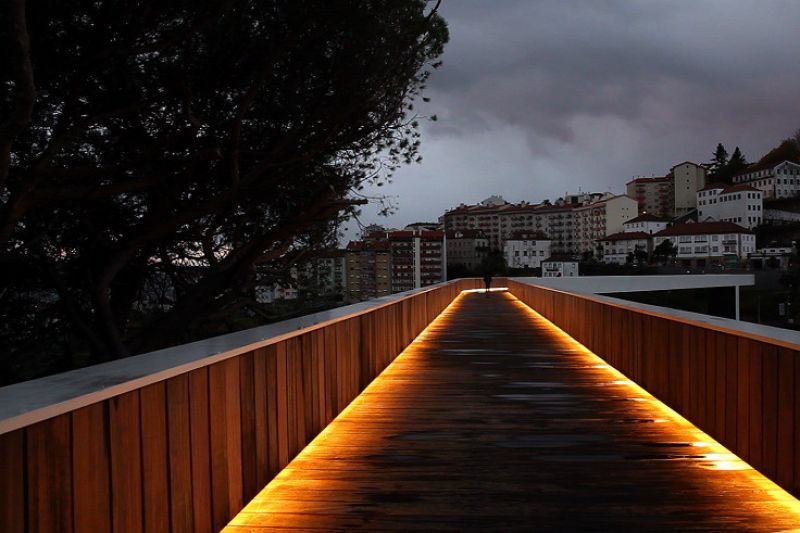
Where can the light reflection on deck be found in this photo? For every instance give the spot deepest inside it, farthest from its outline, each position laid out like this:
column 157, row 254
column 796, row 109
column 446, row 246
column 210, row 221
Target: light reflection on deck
column 552, row 437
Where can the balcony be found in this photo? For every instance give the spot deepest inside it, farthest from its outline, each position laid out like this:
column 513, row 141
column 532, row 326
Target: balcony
column 544, row 406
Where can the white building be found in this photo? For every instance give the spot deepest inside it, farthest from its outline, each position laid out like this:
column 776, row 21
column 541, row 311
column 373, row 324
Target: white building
column 573, row 223
column 600, row 218
column 646, row 223
column 781, row 216
column 526, row 249
column 687, row 179
column 740, row 204
column 616, row 248
column 779, row 181
column 708, row 243
column 557, row 268
column 771, row 257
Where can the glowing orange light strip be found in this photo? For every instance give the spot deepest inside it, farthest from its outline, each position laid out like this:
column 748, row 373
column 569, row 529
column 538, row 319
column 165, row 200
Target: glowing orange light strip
column 720, row 457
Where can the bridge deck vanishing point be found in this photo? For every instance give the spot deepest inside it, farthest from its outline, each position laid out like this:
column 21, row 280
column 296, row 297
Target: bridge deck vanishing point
column 495, row 420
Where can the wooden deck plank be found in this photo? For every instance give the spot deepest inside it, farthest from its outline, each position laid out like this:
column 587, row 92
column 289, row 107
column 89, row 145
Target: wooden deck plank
column 494, row 420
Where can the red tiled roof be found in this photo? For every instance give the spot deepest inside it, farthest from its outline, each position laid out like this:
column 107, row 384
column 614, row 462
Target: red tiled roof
column 738, row 188
column 528, row 236
column 646, row 217
column 358, row 246
column 466, row 234
column 622, row 236
column 702, row 228
column 408, row 234
column 712, row 186
column 649, row 180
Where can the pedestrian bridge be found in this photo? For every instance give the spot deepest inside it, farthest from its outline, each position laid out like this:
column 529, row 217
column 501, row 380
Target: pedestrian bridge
column 443, row 409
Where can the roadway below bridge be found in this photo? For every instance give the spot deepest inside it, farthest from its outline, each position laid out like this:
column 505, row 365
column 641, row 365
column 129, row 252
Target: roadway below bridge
column 493, row 419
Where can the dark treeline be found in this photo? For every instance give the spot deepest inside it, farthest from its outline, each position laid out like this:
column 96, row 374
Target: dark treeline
column 158, row 160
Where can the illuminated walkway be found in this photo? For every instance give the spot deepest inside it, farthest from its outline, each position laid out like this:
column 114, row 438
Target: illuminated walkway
column 493, row 420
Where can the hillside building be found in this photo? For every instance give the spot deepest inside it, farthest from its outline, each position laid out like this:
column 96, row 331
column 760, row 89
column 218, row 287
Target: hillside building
column 526, row 250
column 740, row 204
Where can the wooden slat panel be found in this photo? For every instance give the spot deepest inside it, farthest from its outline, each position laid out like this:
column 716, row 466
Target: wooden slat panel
column 743, row 399
column 711, row 383
column 282, row 403
column 49, row 472
column 755, row 403
column 270, row 354
column 180, row 454
column 200, row 450
column 795, row 487
column 731, row 385
column 769, row 357
column 233, row 431
column 90, row 468
column 785, row 457
column 155, row 475
column 220, row 477
column 12, row 481
column 261, row 417
column 126, row 462
column 247, row 399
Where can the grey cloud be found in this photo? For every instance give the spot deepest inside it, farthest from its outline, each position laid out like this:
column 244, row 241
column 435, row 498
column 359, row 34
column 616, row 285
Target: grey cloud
column 557, row 95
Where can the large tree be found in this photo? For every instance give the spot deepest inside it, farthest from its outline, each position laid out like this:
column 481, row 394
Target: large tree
column 157, row 157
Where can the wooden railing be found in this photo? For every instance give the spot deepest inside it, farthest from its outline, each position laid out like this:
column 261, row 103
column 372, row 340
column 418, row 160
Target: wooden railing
column 741, row 388
column 184, row 448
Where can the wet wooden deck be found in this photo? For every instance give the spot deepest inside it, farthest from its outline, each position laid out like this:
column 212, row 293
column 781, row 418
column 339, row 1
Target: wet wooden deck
column 494, row 420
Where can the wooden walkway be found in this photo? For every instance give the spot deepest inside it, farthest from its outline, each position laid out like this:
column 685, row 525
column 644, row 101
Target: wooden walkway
column 493, row 420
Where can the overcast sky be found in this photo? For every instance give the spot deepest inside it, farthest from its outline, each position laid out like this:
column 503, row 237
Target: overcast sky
column 537, row 98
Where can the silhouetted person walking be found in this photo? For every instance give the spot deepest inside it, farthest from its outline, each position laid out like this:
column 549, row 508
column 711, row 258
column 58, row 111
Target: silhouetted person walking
column 487, row 280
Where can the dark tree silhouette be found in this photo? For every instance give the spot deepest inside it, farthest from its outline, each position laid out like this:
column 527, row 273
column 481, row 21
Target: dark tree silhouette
column 719, row 159
column 158, row 159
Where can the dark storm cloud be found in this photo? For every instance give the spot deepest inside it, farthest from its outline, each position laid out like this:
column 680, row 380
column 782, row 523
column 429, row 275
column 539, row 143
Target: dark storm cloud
column 539, row 97
column 541, row 64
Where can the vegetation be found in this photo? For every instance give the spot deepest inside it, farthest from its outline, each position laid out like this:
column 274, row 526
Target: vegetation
column 158, row 160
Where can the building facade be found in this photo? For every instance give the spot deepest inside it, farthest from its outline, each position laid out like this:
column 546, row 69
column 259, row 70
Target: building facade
column 646, row 223
column 573, row 223
column 654, row 195
column 558, row 268
column 328, row 272
column 417, row 259
column 740, row 204
column 705, row 244
column 369, row 270
column 776, row 182
column 620, row 248
column 466, row 248
column 526, row 250
column 687, row 179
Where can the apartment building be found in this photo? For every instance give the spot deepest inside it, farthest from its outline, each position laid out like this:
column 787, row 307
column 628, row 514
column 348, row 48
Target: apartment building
column 573, row 223
column 672, row 195
column 417, row 259
column 368, row 270
column 776, row 182
column 646, row 223
column 328, row 273
column 466, row 248
column 654, row 195
column 618, row 247
column 526, row 249
column 687, row 179
column 600, row 218
column 740, row 204
column 486, row 217
column 559, row 268
column 704, row 244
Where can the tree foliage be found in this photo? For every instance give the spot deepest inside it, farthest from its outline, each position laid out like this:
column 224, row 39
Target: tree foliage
column 665, row 251
column 722, row 168
column 159, row 159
